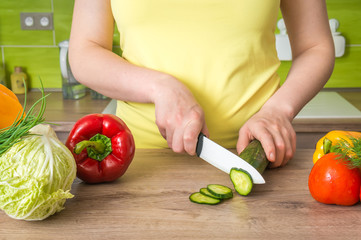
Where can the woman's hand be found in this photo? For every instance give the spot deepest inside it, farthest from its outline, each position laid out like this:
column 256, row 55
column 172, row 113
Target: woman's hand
column 179, row 117
column 274, row 130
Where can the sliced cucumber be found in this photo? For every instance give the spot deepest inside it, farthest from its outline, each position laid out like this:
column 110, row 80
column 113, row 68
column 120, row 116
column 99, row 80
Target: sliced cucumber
column 241, row 180
column 200, row 198
column 220, row 191
column 205, row 191
column 254, row 155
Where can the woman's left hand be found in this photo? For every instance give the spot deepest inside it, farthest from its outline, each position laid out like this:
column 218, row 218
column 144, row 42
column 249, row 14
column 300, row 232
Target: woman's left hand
column 274, row 130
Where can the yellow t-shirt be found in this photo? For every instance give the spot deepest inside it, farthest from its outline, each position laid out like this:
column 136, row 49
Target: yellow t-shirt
column 222, row 50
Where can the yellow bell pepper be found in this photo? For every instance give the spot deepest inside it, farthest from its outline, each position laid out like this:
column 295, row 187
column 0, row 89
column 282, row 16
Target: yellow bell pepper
column 324, row 145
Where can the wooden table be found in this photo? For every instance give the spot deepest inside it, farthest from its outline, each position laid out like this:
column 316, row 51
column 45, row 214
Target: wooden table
column 151, row 202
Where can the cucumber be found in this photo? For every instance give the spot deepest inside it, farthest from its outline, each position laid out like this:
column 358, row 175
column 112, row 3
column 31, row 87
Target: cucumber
column 220, row 191
column 205, row 191
column 254, row 155
column 200, row 198
column 241, row 180
column 212, row 194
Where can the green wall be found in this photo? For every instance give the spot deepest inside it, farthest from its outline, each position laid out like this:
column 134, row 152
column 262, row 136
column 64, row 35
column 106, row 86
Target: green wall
column 38, row 52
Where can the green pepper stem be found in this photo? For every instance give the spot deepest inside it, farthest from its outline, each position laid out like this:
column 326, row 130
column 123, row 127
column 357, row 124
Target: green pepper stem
column 97, row 146
column 327, row 143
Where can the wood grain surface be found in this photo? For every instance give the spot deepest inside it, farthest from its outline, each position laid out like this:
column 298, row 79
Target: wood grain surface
column 151, row 202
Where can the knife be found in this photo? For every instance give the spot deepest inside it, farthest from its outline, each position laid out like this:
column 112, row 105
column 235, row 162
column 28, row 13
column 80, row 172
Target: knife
column 224, row 159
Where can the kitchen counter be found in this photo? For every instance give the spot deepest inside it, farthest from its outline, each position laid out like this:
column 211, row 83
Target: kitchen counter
column 151, row 202
column 309, row 129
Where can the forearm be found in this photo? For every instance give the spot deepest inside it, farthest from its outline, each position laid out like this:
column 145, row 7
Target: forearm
column 312, row 52
column 308, row 74
column 111, row 75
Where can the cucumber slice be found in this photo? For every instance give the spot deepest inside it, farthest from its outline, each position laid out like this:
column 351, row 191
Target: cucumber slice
column 220, row 191
column 205, row 191
column 241, row 180
column 200, row 198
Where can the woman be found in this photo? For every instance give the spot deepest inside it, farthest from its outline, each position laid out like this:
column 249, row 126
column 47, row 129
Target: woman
column 203, row 66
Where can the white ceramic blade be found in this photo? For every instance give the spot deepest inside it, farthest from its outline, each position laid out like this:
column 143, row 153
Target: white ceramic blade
column 225, row 160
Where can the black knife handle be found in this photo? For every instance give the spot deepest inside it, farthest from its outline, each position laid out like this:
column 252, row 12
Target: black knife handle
column 199, row 144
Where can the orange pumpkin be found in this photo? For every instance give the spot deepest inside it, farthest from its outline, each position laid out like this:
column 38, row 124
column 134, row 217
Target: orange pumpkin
column 10, row 107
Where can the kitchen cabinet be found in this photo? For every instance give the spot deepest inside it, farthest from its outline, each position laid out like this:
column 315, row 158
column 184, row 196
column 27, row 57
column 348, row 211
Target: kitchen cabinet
column 151, row 202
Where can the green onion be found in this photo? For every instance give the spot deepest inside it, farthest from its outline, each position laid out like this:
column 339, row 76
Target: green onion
column 20, row 128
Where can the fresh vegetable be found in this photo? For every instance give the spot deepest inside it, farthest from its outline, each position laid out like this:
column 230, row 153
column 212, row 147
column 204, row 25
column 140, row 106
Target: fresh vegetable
column 200, row 198
column 102, row 146
column 330, row 140
column 241, row 180
column 220, row 191
column 254, row 155
column 36, row 175
column 350, row 150
column 212, row 194
column 205, row 191
column 333, row 181
column 20, row 128
column 10, row 107
column 36, row 169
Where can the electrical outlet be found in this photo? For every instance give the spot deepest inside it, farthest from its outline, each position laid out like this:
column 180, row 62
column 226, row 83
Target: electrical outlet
column 36, row 21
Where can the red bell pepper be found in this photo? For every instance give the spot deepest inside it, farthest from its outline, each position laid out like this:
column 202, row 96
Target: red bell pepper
column 103, row 147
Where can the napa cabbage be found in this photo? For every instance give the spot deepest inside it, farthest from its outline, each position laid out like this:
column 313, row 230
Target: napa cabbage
column 36, row 175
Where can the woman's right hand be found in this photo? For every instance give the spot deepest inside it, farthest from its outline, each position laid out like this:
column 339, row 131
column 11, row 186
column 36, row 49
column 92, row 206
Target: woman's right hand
column 179, row 117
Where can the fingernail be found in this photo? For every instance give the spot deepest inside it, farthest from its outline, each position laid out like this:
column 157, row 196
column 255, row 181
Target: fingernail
column 271, row 157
